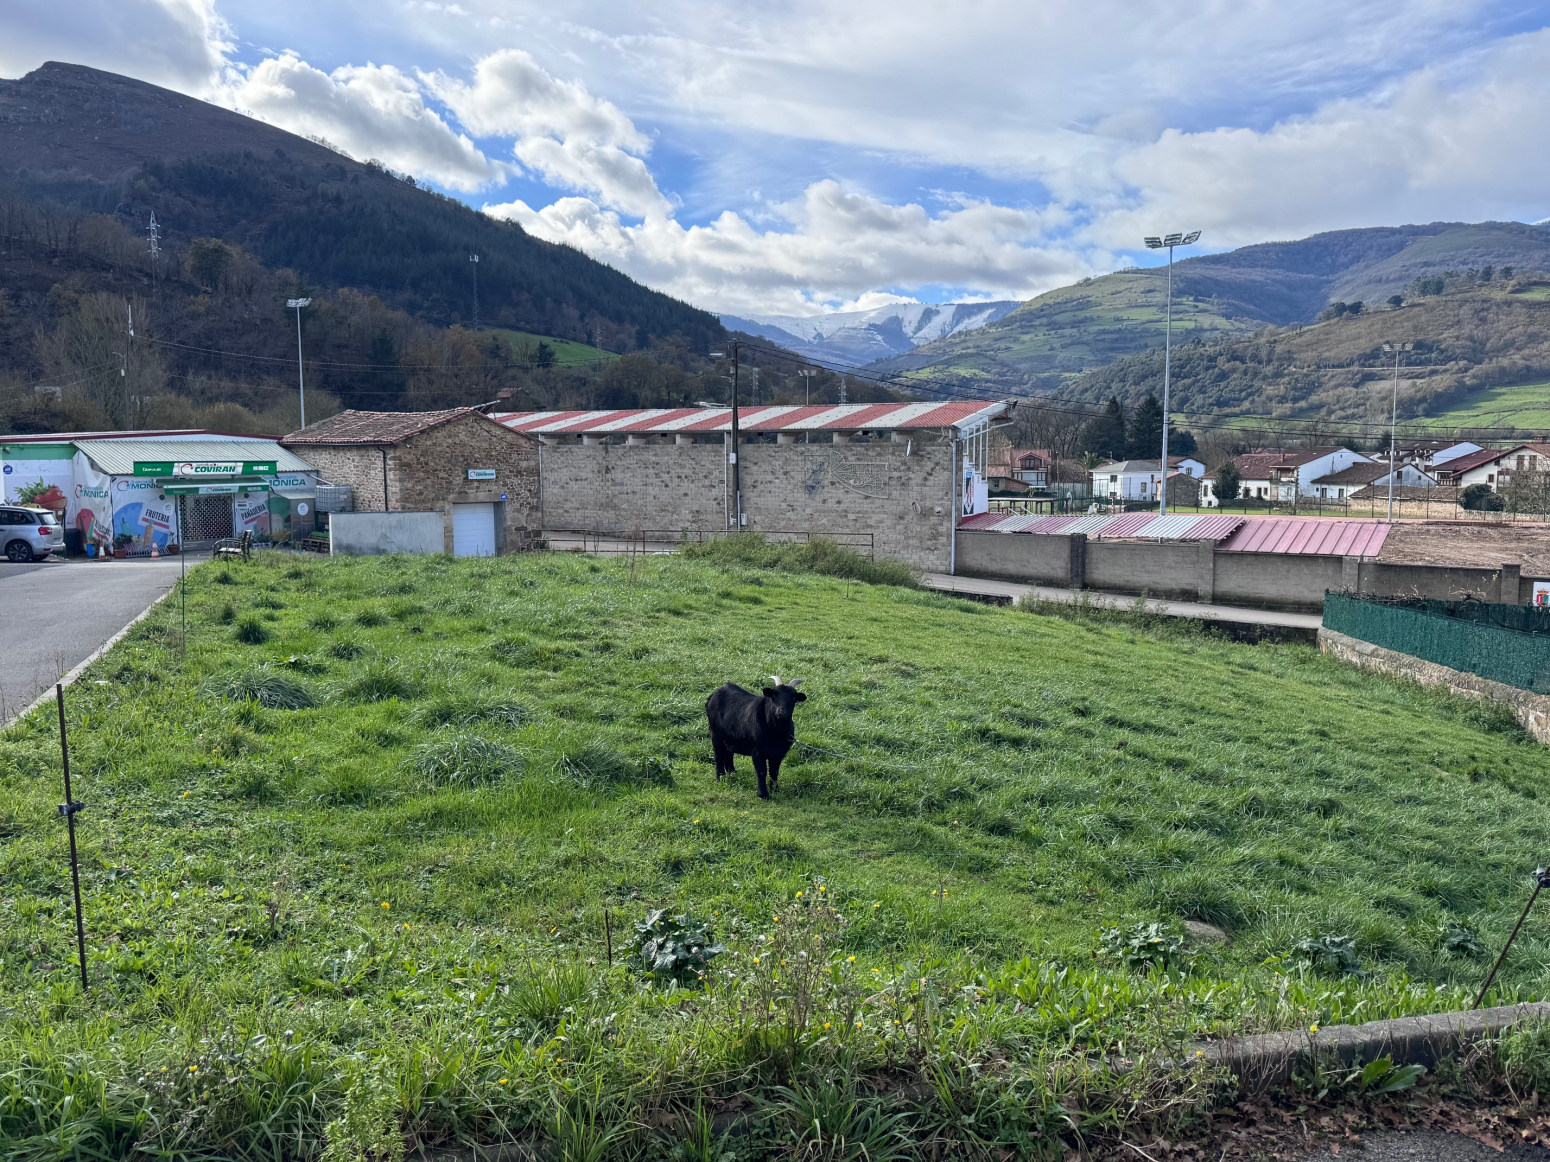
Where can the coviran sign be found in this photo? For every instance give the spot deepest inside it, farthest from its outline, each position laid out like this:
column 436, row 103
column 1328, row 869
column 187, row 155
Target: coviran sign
column 204, row 468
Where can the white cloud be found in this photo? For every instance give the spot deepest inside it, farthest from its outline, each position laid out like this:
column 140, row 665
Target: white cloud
column 180, row 44
column 1429, row 148
column 572, row 139
column 370, row 111
column 840, row 246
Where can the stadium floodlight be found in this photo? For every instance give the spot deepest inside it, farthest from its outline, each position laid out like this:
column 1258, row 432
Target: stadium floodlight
column 301, row 379
column 1155, row 243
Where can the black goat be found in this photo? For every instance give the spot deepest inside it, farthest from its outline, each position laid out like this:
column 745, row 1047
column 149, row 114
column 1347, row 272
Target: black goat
column 756, row 725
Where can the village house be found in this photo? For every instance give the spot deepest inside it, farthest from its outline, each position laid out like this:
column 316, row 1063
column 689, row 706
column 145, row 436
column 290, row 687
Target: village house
column 1139, row 479
column 1371, row 473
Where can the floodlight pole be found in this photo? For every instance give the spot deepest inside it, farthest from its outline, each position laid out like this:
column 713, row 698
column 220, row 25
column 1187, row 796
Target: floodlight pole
column 301, row 378
column 1394, row 420
column 1170, row 241
column 737, row 477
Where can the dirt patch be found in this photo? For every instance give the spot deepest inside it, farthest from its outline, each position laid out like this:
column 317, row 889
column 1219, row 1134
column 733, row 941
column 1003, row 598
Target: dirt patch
column 1473, row 546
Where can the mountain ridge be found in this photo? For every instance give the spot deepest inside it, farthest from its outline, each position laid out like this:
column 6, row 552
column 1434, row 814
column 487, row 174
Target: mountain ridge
column 854, row 338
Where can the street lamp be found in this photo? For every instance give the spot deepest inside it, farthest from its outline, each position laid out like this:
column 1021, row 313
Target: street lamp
column 1397, row 349
column 736, row 348
column 301, row 379
column 474, row 259
column 1170, row 241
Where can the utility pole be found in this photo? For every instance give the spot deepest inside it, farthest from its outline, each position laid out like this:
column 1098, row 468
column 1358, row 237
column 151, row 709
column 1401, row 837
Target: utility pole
column 301, row 377
column 1397, row 349
column 124, row 372
column 155, row 235
column 1170, row 241
column 474, row 259
column 754, row 371
column 842, row 390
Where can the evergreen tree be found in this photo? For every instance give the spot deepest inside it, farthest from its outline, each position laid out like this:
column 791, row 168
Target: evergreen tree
column 1104, row 434
column 1145, row 436
column 1229, row 483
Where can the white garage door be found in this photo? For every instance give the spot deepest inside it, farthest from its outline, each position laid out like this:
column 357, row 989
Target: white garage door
column 473, row 530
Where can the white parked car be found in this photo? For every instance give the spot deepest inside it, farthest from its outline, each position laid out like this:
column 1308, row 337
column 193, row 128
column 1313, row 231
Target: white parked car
column 27, row 534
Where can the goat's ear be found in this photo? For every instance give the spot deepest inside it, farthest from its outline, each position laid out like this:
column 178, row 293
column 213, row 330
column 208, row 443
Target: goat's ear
column 769, row 692
column 801, row 697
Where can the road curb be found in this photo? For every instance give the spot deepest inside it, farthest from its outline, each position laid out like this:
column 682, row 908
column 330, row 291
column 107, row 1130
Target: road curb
column 80, row 668
column 1268, row 1059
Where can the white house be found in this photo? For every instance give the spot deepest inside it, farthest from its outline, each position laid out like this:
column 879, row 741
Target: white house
column 1495, row 468
column 1431, row 453
column 1138, row 479
column 1340, row 485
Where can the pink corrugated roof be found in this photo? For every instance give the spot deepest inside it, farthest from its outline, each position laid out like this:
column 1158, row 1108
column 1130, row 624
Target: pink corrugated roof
column 1124, row 525
column 1309, row 537
column 982, row 520
column 836, row 417
column 1051, row 524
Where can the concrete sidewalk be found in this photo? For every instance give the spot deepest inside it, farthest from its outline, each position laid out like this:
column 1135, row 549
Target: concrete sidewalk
column 1015, row 594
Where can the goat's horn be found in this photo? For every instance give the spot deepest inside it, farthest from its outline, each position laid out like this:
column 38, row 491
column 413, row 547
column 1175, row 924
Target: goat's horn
column 775, row 679
column 797, row 683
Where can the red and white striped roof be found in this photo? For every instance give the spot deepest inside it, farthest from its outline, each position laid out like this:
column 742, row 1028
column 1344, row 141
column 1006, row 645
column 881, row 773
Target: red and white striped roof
column 854, row 417
column 1173, row 527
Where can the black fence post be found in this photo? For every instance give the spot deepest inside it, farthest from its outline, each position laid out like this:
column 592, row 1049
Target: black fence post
column 68, row 809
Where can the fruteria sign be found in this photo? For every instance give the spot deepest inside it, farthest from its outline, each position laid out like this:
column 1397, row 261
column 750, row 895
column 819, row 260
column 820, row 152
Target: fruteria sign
column 195, row 469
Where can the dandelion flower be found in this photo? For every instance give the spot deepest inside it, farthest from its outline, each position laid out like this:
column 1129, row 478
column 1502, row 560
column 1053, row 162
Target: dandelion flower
column 502, row 1081
column 877, row 905
column 799, row 895
column 696, row 820
column 821, row 888
column 826, row 1024
column 850, row 960
column 193, row 1069
column 386, row 905
column 1313, row 1028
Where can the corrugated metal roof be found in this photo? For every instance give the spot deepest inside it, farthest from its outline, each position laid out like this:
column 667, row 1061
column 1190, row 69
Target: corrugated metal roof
column 819, row 417
column 1310, row 536
column 117, row 457
column 1174, row 527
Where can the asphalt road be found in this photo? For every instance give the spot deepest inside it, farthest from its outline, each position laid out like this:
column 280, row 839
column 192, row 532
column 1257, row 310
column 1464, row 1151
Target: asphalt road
column 55, row 613
column 1428, row 1147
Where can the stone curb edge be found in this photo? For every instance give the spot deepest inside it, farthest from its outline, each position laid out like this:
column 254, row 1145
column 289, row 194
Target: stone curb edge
column 1268, row 1059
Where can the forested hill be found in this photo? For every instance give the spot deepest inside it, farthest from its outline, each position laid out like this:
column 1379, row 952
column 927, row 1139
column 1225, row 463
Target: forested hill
column 1074, row 330
column 75, row 140
column 1470, row 331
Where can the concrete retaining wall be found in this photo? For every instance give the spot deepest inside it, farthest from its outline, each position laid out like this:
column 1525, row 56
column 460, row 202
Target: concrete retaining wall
column 1532, row 710
column 369, row 534
column 901, row 493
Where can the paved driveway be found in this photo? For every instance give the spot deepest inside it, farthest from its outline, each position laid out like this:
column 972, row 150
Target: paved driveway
column 54, row 614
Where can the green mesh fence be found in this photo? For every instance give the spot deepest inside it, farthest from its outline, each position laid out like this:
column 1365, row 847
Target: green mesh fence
column 1505, row 643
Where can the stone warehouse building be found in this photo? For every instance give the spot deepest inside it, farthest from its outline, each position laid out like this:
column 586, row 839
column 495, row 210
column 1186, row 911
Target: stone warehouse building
column 480, row 475
column 898, row 472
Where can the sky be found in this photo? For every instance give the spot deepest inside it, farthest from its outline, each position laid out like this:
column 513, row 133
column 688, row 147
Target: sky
column 797, row 158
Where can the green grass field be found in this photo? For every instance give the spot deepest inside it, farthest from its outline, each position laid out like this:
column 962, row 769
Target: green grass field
column 1524, row 405
column 378, row 916
column 567, row 352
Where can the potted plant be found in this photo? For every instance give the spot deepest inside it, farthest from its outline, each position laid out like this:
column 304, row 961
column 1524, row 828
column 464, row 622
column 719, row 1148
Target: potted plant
column 172, row 548
column 121, row 545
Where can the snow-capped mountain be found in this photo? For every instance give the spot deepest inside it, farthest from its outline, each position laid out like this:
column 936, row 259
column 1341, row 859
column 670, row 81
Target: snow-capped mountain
column 854, row 338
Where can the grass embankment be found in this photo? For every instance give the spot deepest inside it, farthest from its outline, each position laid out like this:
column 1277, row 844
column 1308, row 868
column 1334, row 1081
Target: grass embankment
column 1525, row 406
column 379, row 915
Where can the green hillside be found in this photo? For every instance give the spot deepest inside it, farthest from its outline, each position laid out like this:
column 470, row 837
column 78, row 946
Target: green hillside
column 1525, row 406
column 1471, row 338
column 565, row 352
column 364, row 861
column 1062, row 333
column 1046, row 342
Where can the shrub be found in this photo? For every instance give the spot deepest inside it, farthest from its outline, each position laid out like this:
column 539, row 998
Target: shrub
column 675, row 949
column 1144, row 946
column 250, row 630
column 263, row 685
column 464, row 760
column 379, row 682
column 465, row 710
column 819, row 555
column 1482, row 498
column 1328, row 953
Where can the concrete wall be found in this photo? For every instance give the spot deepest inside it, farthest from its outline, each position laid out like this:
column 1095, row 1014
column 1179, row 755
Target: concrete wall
column 368, row 534
column 901, row 493
column 1532, row 710
column 1195, row 570
column 429, row 472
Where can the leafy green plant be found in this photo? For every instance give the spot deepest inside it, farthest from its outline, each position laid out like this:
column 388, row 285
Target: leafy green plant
column 1382, row 1076
column 1145, row 945
column 251, row 630
column 1328, row 953
column 262, row 684
column 1459, row 940
column 677, row 948
column 1524, row 1055
column 368, row 1131
column 464, row 759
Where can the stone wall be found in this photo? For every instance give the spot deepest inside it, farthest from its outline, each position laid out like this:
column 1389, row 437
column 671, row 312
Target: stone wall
column 900, row 493
column 428, row 472
column 1532, row 710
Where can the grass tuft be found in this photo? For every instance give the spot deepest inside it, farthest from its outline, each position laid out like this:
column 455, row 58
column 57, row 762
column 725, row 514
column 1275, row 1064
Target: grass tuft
column 819, row 555
column 464, row 759
column 251, row 630
column 378, row 682
column 263, row 685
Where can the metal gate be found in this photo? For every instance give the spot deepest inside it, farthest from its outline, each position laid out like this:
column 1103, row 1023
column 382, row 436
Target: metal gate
column 205, row 519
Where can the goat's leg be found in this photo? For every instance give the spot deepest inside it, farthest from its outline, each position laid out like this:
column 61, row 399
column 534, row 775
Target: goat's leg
column 759, row 769
column 775, row 773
